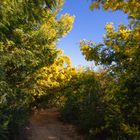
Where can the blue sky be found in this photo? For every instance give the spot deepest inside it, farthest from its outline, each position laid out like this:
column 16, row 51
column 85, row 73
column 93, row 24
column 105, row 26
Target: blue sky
column 88, row 25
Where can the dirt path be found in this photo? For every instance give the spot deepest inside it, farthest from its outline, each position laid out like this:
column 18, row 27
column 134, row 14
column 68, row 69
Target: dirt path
column 45, row 125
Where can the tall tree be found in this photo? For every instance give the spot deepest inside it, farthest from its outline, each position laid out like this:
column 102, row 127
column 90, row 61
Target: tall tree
column 29, row 31
column 119, row 54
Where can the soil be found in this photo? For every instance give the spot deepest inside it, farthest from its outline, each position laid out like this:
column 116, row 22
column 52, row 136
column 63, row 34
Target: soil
column 44, row 124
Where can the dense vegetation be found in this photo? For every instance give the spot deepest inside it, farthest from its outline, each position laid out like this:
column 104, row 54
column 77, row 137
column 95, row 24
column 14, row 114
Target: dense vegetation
column 29, row 30
column 34, row 72
column 119, row 54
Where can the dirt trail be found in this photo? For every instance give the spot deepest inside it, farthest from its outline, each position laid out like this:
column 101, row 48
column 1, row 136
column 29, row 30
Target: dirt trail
column 45, row 125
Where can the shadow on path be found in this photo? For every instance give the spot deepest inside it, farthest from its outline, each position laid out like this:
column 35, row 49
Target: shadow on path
column 45, row 125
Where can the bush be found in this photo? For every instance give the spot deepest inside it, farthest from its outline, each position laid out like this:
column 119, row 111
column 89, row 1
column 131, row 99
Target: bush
column 101, row 107
column 83, row 104
column 14, row 106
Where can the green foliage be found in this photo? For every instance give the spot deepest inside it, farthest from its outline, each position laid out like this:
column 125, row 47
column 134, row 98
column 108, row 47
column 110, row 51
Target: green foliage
column 33, row 70
column 29, row 30
column 13, row 106
column 83, row 104
column 120, row 84
column 130, row 7
column 51, row 80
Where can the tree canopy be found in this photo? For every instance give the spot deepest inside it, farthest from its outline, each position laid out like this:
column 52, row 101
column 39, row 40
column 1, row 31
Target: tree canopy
column 29, row 31
column 119, row 54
